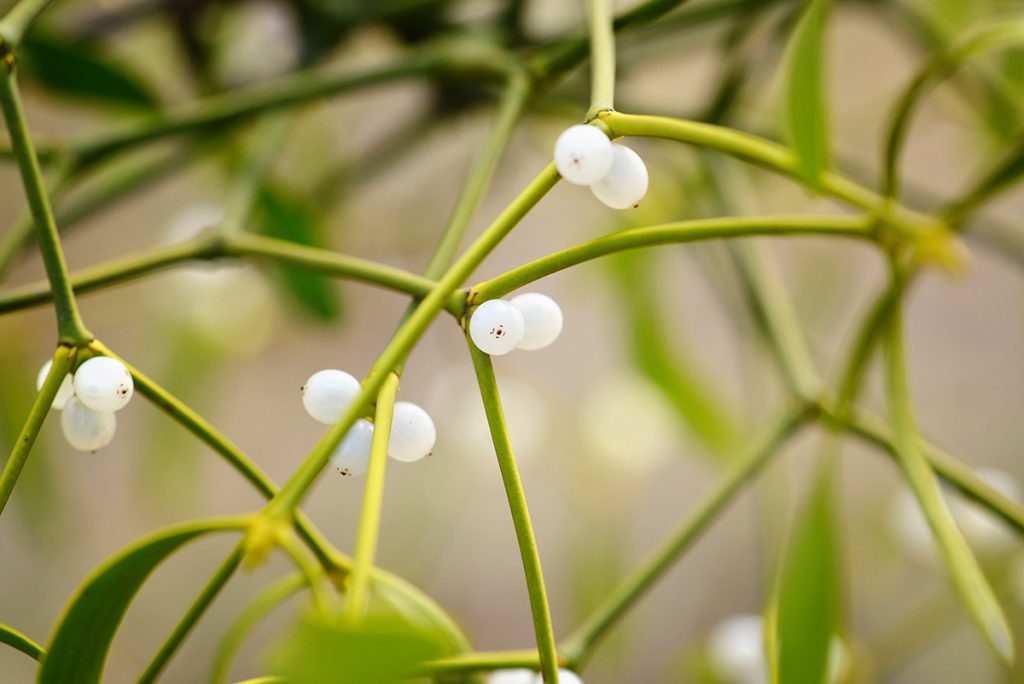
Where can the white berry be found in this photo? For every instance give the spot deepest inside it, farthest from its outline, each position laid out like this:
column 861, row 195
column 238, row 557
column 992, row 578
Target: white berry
column 412, row 433
column 64, row 392
column 626, row 183
column 352, row 457
column 496, row 327
column 542, row 320
column 103, row 384
column 564, row 677
column 87, row 429
column 736, row 650
column 583, row 154
column 328, row 393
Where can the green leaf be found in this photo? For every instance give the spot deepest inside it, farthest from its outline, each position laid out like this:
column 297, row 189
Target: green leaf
column 79, row 70
column 82, row 638
column 284, row 216
column 805, row 105
column 20, row 642
column 805, row 612
column 379, row 650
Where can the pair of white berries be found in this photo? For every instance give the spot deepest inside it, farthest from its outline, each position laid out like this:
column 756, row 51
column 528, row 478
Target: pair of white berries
column 616, row 174
column 528, row 321
column 522, row 676
column 88, row 399
column 329, row 392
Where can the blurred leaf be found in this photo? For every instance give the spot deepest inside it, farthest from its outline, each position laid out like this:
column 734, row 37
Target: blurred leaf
column 82, row 638
column 379, row 650
column 284, row 216
column 804, row 614
column 665, row 362
column 20, row 642
column 79, row 70
column 806, row 106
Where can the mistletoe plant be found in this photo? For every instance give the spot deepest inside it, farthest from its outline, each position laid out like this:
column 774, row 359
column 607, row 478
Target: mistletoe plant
column 364, row 624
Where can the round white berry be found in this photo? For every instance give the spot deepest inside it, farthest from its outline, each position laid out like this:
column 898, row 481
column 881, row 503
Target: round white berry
column 496, row 327
column 626, row 183
column 564, row 677
column 542, row 319
column 87, row 429
column 328, row 393
column 583, row 154
column 516, row 676
column 64, row 392
column 736, row 650
column 412, row 433
column 352, row 457
column 103, row 384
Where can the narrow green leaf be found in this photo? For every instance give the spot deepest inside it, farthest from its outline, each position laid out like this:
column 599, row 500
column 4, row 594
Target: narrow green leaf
column 79, row 70
column 379, row 650
column 79, row 645
column 284, row 216
column 20, row 642
column 805, row 612
column 806, row 104
column 972, row 586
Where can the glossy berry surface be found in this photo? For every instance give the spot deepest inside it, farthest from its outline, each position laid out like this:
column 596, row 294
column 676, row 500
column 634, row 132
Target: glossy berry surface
column 542, row 320
column 103, row 384
column 352, row 457
column 496, row 327
column 64, row 392
column 87, row 429
column 626, row 183
column 413, row 434
column 583, row 154
column 328, row 393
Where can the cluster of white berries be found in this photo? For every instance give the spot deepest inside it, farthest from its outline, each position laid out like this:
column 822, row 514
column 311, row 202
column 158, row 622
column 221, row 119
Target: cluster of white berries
column 528, row 321
column 616, row 174
column 88, row 400
column 329, row 392
column 522, row 676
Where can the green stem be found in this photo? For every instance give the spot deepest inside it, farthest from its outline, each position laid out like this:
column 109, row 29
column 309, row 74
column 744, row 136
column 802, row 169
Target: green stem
column 582, row 641
column 62, row 362
column 331, row 263
column 195, row 611
column 761, row 152
column 409, row 333
column 602, row 56
column 20, row 642
column 520, row 514
column 241, row 245
column 317, row 580
column 358, row 598
column 483, row 661
column 264, row 602
column 510, row 109
column 875, row 432
column 1000, row 177
column 71, row 329
column 679, row 232
column 296, row 89
column 967, row 577
column 773, row 308
column 17, row 21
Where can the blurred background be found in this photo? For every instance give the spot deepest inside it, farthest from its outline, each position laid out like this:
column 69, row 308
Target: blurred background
column 656, row 381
